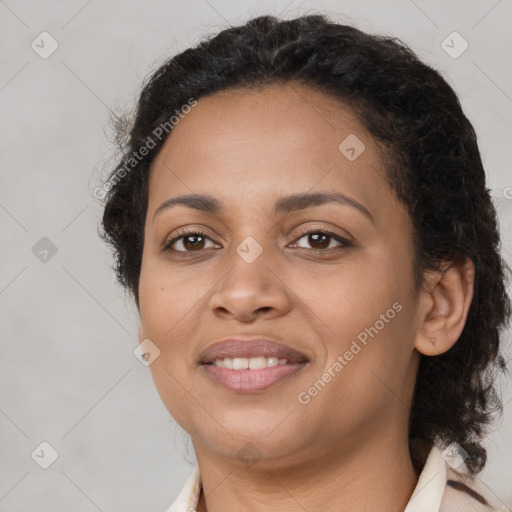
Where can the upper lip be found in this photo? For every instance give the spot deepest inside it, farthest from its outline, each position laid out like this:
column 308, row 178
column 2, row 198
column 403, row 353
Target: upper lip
column 253, row 347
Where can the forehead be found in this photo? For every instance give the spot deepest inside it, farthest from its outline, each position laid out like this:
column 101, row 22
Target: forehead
column 267, row 141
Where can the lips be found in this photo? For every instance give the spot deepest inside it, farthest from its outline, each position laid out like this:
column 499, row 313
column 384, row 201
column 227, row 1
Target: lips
column 248, row 348
column 250, row 365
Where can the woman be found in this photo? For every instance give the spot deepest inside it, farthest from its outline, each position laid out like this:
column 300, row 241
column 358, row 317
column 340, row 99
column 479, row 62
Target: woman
column 300, row 213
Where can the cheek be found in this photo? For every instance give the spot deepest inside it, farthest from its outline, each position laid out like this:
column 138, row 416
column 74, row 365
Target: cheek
column 355, row 298
column 166, row 306
column 172, row 308
column 161, row 306
column 163, row 293
column 369, row 311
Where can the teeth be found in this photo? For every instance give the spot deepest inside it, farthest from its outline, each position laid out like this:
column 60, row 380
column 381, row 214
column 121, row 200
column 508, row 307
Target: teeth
column 246, row 363
column 240, row 363
column 257, row 363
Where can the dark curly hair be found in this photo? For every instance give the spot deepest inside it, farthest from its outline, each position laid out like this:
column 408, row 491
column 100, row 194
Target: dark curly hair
column 432, row 162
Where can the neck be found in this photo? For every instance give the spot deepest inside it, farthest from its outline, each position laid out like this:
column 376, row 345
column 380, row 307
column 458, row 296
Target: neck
column 378, row 475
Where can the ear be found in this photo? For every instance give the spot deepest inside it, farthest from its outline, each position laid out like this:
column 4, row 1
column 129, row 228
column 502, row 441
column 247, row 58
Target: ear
column 141, row 335
column 445, row 299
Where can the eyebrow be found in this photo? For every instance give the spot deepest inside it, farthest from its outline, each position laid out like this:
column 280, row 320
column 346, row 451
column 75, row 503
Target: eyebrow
column 286, row 204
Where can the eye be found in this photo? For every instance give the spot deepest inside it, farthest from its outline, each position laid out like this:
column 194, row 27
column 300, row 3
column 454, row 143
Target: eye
column 190, row 241
column 195, row 241
column 322, row 239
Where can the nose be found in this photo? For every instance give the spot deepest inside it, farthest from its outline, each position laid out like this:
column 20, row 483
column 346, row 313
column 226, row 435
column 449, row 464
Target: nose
column 250, row 290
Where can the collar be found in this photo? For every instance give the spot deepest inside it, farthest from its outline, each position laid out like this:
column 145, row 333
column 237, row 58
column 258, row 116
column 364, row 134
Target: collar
column 426, row 497
column 188, row 497
column 429, row 490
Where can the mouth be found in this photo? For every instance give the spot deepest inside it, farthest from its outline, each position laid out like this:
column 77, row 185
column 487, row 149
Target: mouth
column 250, row 365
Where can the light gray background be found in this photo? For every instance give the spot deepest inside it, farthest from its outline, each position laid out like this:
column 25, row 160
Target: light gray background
column 67, row 372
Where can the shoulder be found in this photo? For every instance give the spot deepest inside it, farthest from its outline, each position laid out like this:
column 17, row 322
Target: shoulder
column 466, row 494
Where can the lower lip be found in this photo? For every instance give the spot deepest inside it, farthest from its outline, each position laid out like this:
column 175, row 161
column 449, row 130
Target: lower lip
column 251, row 381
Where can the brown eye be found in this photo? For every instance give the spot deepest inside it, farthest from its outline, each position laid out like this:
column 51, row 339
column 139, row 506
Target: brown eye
column 193, row 242
column 321, row 240
column 187, row 242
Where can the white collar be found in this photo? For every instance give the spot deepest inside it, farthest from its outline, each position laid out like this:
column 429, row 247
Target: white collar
column 429, row 490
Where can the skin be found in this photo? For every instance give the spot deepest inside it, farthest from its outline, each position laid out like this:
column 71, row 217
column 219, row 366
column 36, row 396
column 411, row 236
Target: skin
column 347, row 448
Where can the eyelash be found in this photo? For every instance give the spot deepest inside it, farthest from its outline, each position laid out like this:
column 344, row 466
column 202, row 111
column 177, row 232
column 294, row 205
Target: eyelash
column 344, row 242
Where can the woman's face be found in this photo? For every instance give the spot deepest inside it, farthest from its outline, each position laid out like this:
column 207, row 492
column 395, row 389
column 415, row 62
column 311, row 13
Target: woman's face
column 349, row 308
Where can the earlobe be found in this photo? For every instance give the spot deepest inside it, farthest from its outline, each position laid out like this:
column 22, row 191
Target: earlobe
column 448, row 294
